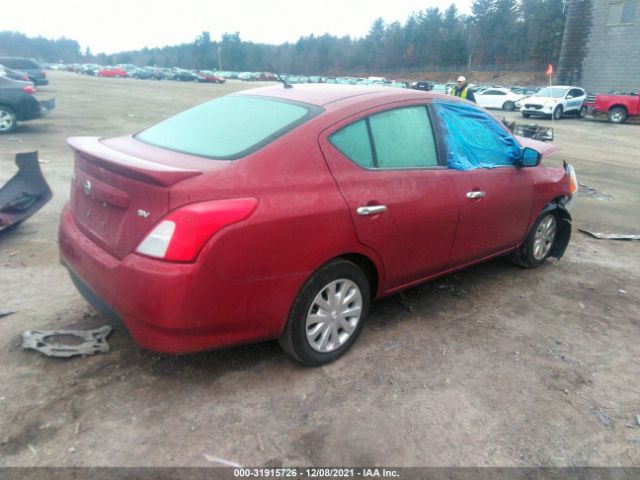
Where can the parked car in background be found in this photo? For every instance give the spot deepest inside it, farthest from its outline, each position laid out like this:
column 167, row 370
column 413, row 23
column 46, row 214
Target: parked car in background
column 91, row 69
column 501, row 98
column 18, row 103
column 555, row 101
column 14, row 74
column 113, row 72
column 247, row 77
column 207, row 76
column 525, row 91
column 422, row 85
column 617, row 107
column 186, row 75
column 439, row 88
column 215, row 212
column 31, row 67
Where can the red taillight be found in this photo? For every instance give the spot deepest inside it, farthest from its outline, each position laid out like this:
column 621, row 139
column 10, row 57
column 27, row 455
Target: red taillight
column 180, row 235
column 29, row 89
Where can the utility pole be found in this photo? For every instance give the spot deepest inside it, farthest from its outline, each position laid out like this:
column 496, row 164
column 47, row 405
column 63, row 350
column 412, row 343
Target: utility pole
column 220, row 58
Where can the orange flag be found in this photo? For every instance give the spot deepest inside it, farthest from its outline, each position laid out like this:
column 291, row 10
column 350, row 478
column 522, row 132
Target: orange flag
column 550, row 70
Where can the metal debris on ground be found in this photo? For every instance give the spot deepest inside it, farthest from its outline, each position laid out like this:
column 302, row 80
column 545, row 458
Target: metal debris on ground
column 610, row 236
column 603, row 417
column 530, row 130
column 25, row 193
column 590, row 192
column 92, row 341
column 221, row 461
column 4, row 313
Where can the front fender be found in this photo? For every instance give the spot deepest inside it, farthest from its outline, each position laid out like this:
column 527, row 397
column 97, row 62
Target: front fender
column 563, row 235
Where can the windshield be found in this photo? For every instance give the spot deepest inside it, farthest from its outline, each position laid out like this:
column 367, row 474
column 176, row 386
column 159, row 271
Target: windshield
column 552, row 92
column 228, row 127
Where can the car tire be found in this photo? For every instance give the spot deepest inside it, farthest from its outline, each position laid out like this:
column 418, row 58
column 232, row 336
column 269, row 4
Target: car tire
column 582, row 112
column 509, row 106
column 8, row 120
column 526, row 115
column 617, row 115
column 557, row 113
column 323, row 296
column 539, row 243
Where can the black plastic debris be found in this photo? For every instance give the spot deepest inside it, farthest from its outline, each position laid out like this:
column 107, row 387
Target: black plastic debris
column 91, row 341
column 25, row 193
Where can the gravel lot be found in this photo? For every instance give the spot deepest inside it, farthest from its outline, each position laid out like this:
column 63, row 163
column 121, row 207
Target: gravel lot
column 494, row 365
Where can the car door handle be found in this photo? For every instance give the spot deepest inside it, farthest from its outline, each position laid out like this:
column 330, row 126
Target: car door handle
column 371, row 210
column 475, row 194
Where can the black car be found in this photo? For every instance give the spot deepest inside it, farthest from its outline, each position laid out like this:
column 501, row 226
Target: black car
column 32, row 68
column 425, row 86
column 13, row 74
column 19, row 103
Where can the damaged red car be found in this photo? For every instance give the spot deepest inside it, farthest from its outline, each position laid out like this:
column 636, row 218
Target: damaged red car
column 282, row 213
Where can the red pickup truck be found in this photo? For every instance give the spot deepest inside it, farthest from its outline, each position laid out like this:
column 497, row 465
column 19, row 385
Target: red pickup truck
column 618, row 107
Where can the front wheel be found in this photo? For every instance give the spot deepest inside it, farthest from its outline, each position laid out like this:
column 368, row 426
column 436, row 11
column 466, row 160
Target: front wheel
column 328, row 314
column 526, row 115
column 509, row 106
column 539, row 243
column 557, row 113
column 8, row 120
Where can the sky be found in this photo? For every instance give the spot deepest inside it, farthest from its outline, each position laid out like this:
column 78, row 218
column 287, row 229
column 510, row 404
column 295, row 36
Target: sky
column 112, row 26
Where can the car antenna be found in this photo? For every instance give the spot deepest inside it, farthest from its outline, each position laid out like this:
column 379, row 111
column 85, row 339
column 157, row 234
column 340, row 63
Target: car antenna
column 280, row 79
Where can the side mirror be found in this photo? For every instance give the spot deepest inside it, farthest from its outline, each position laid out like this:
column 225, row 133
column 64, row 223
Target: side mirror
column 529, row 158
column 569, row 97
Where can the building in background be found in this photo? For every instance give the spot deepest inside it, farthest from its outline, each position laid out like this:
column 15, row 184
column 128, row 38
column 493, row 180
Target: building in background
column 601, row 45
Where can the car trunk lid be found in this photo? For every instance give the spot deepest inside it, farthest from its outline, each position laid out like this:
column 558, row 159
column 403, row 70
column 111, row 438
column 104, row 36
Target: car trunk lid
column 117, row 196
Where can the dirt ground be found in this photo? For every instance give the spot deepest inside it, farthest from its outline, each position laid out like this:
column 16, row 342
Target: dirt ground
column 494, row 365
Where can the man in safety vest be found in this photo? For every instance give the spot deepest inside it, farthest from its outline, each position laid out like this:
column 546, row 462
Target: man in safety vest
column 463, row 90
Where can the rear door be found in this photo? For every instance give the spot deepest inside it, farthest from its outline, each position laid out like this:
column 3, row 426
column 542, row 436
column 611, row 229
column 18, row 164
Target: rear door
column 401, row 198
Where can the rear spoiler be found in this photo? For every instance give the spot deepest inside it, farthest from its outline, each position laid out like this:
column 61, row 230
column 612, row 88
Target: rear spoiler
column 94, row 151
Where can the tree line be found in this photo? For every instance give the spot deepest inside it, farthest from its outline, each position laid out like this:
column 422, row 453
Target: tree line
column 495, row 32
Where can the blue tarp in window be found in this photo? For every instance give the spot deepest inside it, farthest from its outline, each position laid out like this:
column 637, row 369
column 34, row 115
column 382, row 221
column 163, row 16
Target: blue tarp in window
column 475, row 139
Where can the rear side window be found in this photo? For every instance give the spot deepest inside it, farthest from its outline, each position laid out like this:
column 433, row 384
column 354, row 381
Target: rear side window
column 395, row 139
column 228, row 127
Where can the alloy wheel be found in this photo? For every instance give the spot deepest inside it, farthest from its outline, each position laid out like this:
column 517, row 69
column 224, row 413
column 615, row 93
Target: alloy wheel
column 544, row 237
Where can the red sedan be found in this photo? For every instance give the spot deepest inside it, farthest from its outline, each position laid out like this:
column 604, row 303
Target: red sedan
column 281, row 213
column 113, row 72
column 206, row 76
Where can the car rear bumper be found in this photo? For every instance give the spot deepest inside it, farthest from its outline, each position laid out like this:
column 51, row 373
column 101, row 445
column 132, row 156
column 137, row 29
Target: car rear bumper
column 167, row 307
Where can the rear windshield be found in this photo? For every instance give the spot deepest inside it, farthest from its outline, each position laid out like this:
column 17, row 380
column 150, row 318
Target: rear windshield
column 228, row 127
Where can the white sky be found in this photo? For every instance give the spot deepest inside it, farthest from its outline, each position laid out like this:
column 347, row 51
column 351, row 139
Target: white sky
column 115, row 25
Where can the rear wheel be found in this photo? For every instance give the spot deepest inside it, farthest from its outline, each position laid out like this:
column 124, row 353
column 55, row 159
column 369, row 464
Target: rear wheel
column 617, row 115
column 509, row 106
column 328, row 314
column 526, row 115
column 582, row 112
column 8, row 120
column 539, row 243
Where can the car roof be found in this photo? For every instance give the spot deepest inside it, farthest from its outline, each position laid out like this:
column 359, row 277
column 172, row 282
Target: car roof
column 322, row 95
